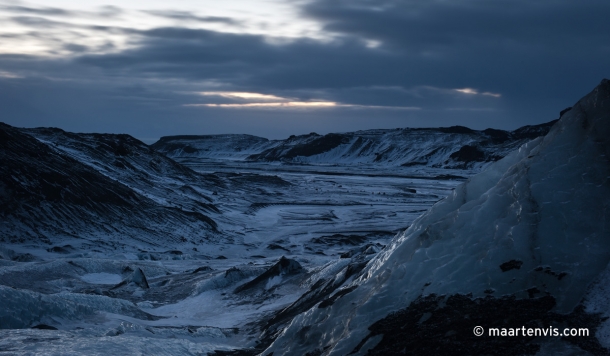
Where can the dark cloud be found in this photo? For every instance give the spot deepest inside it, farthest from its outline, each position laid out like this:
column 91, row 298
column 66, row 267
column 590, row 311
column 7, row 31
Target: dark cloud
column 445, row 44
column 540, row 56
column 420, row 25
column 103, row 12
column 250, row 60
column 37, row 22
column 36, row 10
column 188, row 16
column 43, row 23
column 490, row 44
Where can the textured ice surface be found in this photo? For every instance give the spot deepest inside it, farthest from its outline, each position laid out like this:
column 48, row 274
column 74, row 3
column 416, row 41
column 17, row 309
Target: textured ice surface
column 24, row 309
column 104, row 303
column 545, row 207
column 50, row 342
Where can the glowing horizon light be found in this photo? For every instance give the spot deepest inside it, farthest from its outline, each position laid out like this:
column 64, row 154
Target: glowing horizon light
column 288, row 104
column 277, row 101
column 241, row 95
column 470, row 91
column 302, row 104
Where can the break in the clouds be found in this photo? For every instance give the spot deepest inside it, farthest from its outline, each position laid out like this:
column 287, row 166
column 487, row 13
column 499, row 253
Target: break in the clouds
column 293, row 67
column 243, row 100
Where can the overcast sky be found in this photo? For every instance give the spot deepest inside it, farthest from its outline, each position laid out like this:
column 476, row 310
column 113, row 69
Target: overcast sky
column 273, row 68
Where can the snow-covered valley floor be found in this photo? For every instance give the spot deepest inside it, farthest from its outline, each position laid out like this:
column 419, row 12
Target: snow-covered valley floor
column 326, row 220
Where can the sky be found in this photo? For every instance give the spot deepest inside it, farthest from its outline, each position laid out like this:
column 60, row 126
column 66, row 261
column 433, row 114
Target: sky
column 274, row 68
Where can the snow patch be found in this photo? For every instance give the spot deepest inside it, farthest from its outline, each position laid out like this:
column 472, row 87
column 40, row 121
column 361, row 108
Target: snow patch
column 101, row 278
column 273, row 281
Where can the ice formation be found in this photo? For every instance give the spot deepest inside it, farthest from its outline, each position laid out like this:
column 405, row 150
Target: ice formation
column 137, row 278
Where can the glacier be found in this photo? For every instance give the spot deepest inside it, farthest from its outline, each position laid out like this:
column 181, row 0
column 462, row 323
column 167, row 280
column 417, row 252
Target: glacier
column 541, row 212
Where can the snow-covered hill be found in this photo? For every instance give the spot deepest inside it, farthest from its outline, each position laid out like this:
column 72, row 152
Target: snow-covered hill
column 526, row 244
column 450, row 147
column 49, row 197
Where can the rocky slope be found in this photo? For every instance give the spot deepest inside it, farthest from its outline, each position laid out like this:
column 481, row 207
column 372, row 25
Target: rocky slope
column 49, row 196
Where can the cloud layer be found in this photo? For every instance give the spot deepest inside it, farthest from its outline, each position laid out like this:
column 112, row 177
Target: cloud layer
column 466, row 62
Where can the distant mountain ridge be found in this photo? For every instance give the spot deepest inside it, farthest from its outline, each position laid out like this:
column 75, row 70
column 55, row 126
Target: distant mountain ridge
column 445, row 147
